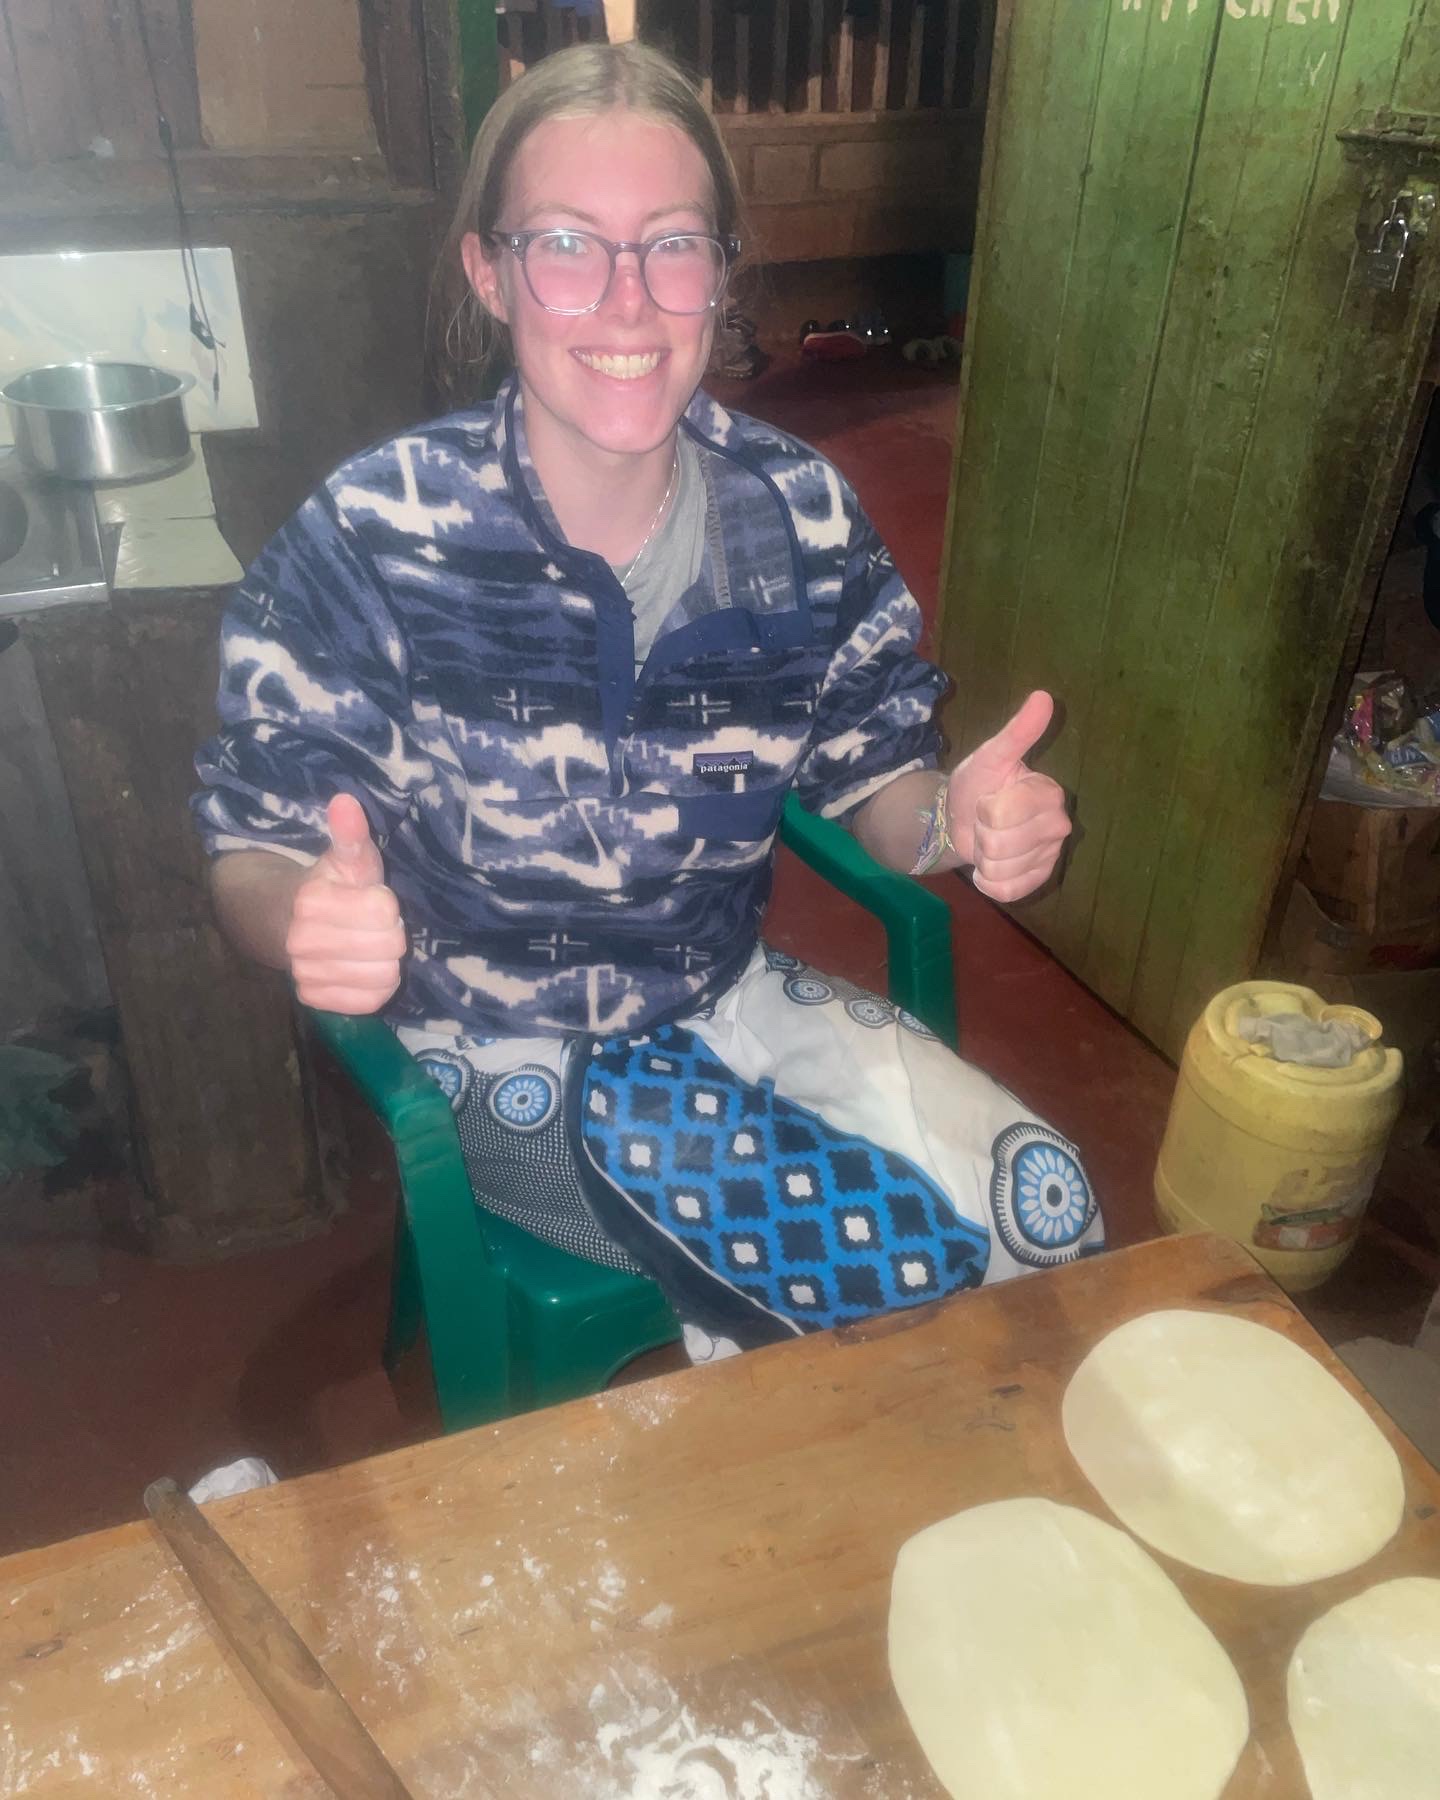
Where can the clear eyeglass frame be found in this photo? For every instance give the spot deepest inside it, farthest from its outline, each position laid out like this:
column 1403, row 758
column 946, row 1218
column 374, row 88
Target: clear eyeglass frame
column 518, row 244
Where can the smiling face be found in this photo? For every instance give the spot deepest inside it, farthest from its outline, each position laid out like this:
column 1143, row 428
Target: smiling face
column 610, row 383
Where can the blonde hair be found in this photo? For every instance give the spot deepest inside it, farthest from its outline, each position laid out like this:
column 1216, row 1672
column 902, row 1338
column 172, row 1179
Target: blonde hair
column 582, row 81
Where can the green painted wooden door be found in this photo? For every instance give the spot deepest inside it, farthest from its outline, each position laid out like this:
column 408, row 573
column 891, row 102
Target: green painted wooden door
column 1183, row 415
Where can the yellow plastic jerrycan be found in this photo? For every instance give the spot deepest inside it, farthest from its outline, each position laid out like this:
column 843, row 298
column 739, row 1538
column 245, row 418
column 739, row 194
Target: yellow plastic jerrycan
column 1276, row 1155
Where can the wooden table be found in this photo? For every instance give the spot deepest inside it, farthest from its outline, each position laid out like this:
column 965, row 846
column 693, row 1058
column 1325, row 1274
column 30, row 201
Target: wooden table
column 521, row 1608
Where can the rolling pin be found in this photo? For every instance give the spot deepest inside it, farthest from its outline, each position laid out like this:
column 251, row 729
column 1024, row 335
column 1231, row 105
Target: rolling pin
column 314, row 1710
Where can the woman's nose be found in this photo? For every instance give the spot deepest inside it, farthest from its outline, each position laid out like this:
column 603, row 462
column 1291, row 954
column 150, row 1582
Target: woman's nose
column 627, row 297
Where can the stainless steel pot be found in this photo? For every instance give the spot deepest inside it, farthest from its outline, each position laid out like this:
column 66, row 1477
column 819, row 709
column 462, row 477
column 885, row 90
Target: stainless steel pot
column 99, row 421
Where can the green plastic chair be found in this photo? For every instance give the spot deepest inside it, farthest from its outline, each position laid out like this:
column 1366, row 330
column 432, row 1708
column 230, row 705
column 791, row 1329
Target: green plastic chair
column 512, row 1322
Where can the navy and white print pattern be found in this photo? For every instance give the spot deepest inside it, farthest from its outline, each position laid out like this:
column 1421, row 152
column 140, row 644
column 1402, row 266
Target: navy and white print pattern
column 1040, row 1196
column 450, row 1072
column 513, row 1136
column 422, row 636
column 808, row 990
column 869, row 1011
column 526, row 1100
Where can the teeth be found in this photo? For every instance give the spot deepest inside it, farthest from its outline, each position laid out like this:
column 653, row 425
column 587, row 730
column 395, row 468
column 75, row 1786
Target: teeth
column 622, row 368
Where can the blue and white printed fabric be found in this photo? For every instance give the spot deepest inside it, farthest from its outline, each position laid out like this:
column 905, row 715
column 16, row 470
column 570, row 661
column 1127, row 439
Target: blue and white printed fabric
column 802, row 1155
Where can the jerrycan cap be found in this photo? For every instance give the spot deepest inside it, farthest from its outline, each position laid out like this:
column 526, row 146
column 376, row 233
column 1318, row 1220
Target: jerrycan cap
column 1278, row 1031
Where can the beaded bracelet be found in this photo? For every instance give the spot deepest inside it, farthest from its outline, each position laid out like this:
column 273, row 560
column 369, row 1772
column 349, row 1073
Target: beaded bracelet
column 936, row 842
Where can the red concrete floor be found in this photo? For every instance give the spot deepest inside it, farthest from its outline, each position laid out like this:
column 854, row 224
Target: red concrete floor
column 119, row 1369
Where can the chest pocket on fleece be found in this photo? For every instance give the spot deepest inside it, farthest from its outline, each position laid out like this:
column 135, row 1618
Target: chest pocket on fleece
column 738, row 818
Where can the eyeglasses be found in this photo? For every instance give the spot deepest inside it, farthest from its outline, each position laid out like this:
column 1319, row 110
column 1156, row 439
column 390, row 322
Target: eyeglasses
column 570, row 272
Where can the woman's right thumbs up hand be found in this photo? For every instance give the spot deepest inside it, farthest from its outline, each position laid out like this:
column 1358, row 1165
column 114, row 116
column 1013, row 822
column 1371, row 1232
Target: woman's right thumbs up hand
column 346, row 938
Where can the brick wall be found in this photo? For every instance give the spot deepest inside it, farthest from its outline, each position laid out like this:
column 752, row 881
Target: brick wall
column 842, row 185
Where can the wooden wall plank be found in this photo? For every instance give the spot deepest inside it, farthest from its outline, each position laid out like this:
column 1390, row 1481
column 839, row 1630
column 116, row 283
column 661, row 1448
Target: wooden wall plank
column 1412, row 84
column 1179, row 417
column 1341, row 368
column 1181, row 500
column 951, row 67
column 56, row 103
column 815, row 77
column 277, row 76
column 780, row 58
column 959, row 610
column 880, row 75
column 1118, row 282
column 393, row 52
column 172, row 45
column 915, row 60
column 1210, row 388
column 1014, row 332
column 80, row 74
column 451, row 80
column 845, row 63
column 16, row 144
column 983, row 40
column 742, row 61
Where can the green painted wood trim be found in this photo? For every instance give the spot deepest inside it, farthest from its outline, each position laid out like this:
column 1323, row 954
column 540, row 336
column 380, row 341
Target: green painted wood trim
column 479, row 62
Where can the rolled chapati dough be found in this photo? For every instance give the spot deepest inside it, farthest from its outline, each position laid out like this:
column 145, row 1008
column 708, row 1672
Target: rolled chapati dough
column 1223, row 1444
column 1364, row 1693
column 1041, row 1655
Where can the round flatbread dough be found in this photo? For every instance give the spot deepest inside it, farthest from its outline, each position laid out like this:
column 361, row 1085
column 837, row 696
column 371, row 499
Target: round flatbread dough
column 1364, row 1693
column 1041, row 1655
column 1224, row 1445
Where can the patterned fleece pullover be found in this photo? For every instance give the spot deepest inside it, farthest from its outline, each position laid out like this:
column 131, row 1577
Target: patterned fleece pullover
column 575, row 846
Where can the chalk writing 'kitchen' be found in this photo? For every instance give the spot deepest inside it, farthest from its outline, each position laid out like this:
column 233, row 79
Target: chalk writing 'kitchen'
column 1294, row 12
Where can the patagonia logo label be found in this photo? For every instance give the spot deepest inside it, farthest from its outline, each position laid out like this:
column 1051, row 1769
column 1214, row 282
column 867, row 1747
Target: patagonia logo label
column 722, row 762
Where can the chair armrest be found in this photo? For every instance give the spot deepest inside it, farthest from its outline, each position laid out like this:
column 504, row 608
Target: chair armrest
column 394, row 1086
column 917, row 922
column 464, row 1295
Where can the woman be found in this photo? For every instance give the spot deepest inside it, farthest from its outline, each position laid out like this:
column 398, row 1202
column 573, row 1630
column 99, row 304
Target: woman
column 509, row 712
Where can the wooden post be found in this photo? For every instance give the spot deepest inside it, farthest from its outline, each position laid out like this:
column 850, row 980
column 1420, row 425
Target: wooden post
column 780, row 59
column 814, row 84
column 742, row 62
column 917, row 51
column 880, row 80
column 845, row 64
column 986, row 25
column 391, row 36
column 952, row 49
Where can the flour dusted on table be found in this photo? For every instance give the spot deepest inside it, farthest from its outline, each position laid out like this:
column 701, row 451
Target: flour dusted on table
column 655, row 1750
column 675, row 1759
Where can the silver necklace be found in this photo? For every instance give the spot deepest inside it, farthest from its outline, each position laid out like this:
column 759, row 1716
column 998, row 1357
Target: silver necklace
column 654, row 523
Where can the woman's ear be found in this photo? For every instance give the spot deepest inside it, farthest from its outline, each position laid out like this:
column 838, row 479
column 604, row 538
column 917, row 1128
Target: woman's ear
column 483, row 274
